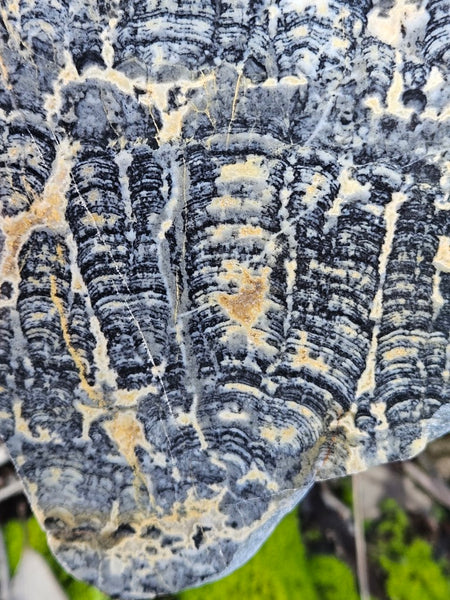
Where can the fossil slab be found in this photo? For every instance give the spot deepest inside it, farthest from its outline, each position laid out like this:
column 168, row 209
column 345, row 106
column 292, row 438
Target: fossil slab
column 225, row 266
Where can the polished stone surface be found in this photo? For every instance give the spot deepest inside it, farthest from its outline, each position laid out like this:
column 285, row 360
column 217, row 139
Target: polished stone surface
column 224, row 266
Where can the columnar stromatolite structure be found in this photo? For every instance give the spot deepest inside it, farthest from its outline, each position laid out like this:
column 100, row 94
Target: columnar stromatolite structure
column 224, row 262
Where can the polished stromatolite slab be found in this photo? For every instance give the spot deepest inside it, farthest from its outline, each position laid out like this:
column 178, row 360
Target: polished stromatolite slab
column 224, row 263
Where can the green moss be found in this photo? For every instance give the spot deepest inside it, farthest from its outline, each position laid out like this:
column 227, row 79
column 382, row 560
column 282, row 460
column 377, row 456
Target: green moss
column 332, row 578
column 78, row 590
column 392, row 529
column 411, row 571
column 281, row 571
column 312, row 536
column 416, row 575
column 277, row 571
column 14, row 538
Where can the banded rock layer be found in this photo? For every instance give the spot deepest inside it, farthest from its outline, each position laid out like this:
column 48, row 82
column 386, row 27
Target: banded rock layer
column 224, row 264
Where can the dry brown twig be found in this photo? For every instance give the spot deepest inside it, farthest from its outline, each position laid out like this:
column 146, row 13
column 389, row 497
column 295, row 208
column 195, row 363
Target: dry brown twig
column 434, row 486
column 360, row 540
column 8, row 488
column 4, row 456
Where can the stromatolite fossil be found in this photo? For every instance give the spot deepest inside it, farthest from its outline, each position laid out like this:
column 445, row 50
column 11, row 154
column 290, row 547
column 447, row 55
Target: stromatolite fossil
column 224, row 266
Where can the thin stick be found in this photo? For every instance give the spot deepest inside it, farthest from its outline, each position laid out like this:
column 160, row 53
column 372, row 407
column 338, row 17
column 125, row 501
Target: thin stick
column 4, row 456
column 360, row 540
column 436, row 488
column 12, row 489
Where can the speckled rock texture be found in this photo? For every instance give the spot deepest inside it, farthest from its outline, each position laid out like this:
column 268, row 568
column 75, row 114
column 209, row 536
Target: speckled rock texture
column 224, row 267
